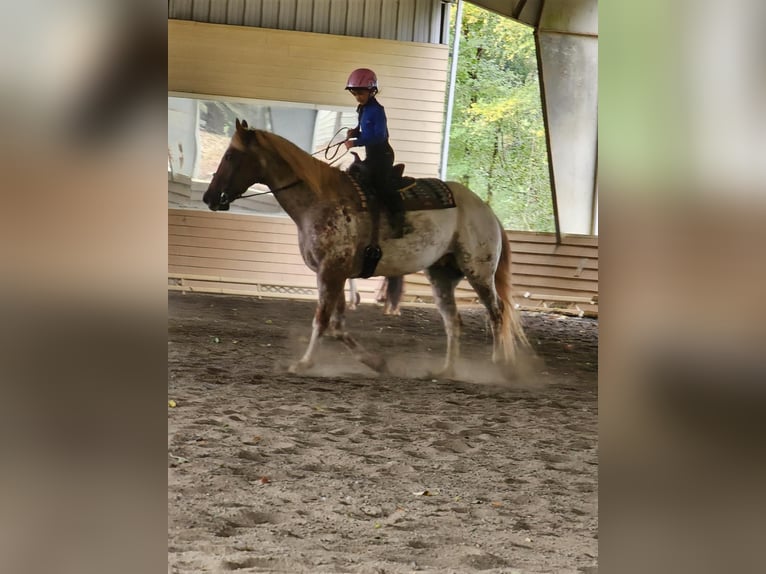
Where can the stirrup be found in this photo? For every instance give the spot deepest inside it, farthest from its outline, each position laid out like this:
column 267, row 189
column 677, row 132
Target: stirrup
column 372, row 254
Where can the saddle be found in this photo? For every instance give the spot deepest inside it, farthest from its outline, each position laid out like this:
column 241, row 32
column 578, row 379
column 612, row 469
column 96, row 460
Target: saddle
column 399, row 194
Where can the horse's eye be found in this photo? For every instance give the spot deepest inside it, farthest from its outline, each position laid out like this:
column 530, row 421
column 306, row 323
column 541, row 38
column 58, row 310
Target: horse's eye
column 227, row 156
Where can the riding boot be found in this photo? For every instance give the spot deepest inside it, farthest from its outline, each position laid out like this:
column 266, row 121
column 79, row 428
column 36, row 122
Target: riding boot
column 372, row 253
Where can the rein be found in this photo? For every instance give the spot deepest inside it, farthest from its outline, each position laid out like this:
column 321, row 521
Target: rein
column 288, row 186
column 333, row 159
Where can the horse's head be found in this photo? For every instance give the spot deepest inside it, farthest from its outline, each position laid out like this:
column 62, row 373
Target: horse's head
column 237, row 171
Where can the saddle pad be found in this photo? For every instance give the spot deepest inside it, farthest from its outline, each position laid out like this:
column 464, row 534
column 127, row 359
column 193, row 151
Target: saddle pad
column 416, row 194
column 426, row 193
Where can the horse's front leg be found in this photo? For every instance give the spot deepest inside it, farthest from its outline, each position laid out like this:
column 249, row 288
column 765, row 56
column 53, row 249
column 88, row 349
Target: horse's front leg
column 443, row 282
column 330, row 298
column 338, row 330
column 375, row 362
column 330, row 314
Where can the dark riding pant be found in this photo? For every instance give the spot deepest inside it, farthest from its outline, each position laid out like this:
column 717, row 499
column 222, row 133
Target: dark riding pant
column 379, row 163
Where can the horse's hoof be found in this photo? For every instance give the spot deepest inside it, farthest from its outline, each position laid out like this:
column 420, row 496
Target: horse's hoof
column 299, row 367
column 377, row 364
column 442, row 375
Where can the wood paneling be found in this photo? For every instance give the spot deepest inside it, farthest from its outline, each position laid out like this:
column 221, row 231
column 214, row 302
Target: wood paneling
column 308, row 68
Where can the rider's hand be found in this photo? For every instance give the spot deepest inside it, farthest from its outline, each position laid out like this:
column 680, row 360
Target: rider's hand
column 352, row 133
column 349, row 144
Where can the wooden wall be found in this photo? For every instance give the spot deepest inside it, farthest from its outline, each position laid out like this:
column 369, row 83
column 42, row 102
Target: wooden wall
column 258, row 255
column 308, row 68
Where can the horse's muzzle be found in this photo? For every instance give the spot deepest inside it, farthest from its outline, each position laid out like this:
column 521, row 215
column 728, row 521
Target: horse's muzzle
column 222, row 204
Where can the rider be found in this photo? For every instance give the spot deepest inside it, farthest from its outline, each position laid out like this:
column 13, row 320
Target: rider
column 372, row 133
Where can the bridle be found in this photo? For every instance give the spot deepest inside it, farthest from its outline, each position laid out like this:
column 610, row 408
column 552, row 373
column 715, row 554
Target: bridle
column 223, row 199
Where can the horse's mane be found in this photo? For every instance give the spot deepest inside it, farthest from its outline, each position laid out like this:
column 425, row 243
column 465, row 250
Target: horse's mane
column 323, row 179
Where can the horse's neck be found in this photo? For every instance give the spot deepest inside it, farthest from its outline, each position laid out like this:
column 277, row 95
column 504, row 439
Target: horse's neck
column 296, row 197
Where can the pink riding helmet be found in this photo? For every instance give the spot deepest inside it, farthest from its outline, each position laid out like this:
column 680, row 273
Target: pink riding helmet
column 362, row 78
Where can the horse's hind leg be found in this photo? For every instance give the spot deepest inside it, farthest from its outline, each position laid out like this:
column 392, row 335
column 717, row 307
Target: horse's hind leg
column 485, row 289
column 353, row 295
column 444, row 277
column 394, row 291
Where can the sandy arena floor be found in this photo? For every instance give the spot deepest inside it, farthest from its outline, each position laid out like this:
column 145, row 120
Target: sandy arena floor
column 345, row 470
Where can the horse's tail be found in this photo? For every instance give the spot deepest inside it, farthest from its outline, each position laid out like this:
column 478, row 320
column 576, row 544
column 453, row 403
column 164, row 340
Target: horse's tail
column 512, row 329
column 394, row 291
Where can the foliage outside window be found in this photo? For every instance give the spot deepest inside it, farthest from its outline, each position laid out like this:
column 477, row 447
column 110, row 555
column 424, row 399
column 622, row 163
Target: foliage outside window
column 497, row 140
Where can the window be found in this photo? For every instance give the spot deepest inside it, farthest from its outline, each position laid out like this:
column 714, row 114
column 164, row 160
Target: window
column 199, row 131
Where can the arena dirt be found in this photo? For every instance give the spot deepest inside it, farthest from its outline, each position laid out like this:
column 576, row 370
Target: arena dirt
column 344, row 470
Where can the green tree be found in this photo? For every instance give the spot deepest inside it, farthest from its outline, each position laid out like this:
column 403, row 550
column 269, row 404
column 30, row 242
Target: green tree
column 497, row 141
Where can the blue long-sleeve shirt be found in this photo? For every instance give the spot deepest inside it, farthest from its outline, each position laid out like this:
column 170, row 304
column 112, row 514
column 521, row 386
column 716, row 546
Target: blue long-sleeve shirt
column 373, row 125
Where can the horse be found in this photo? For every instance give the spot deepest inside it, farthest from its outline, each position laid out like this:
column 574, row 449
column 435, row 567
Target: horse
column 389, row 293
column 334, row 230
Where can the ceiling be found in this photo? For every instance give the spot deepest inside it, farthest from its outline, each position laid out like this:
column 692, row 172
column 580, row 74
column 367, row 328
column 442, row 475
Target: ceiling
column 524, row 11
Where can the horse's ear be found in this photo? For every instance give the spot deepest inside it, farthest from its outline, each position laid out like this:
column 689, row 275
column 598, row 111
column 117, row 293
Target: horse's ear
column 243, row 133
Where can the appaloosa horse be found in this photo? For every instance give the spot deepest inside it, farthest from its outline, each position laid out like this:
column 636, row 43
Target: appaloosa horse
column 334, row 228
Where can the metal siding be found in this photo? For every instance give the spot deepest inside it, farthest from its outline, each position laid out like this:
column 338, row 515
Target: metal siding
column 270, row 14
column 201, row 10
column 303, row 15
column 287, row 11
column 235, row 12
column 338, row 11
column 406, row 20
column 180, row 9
column 355, row 18
column 388, row 18
column 321, row 19
column 252, row 13
column 371, row 25
column 402, row 20
column 421, row 21
column 218, row 9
